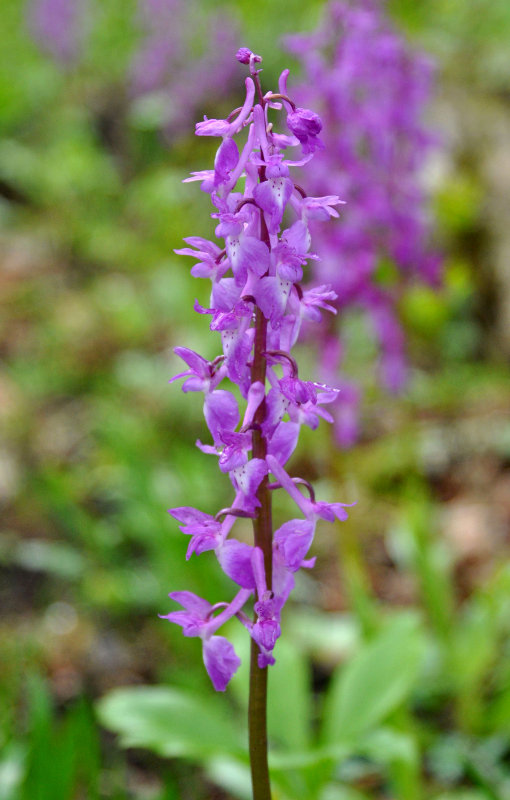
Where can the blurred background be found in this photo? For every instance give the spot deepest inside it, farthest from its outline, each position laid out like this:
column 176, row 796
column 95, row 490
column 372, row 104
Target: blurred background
column 393, row 674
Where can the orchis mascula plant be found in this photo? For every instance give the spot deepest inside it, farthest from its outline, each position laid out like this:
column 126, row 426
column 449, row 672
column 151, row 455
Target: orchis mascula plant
column 371, row 89
column 257, row 304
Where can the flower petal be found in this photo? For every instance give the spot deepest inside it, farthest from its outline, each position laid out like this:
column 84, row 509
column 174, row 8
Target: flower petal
column 221, row 412
column 236, row 561
column 293, row 541
column 284, row 441
column 221, row 661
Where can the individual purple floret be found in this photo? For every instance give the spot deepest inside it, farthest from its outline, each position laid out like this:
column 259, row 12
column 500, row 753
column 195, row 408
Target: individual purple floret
column 197, row 619
column 371, row 89
column 257, row 306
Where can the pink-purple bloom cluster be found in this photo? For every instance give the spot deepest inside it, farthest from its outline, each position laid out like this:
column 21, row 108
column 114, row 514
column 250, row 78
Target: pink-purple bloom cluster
column 257, row 304
column 371, row 89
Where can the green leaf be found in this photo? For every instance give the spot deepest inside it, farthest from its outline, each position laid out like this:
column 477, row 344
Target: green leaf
column 53, row 753
column 289, row 697
column 341, row 793
column 57, row 558
column 170, row 722
column 232, row 775
column 313, row 757
column 463, row 794
column 399, row 753
column 375, row 682
column 12, row 770
column 289, row 691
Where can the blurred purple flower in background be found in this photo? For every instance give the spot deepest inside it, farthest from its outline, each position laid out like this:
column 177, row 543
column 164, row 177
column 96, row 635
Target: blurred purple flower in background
column 182, row 61
column 370, row 145
column 171, row 64
column 370, row 89
column 59, row 27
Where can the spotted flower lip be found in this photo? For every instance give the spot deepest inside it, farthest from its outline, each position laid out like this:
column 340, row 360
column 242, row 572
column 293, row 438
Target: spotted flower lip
column 273, row 195
column 256, row 308
column 221, row 661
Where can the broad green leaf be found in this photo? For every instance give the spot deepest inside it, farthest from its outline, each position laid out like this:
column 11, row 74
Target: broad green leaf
column 232, row 775
column 289, row 697
column 317, row 756
column 375, row 682
column 304, row 773
column 341, row 793
column 12, row 770
column 56, row 558
column 170, row 721
column 289, row 691
column 52, row 756
column 397, row 751
column 327, row 636
column 385, row 745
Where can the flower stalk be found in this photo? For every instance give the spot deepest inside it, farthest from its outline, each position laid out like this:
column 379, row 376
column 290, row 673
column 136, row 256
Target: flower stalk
column 257, row 305
column 263, row 538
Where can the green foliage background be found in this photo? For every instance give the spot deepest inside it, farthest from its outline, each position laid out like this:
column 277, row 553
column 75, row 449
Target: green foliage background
column 393, row 677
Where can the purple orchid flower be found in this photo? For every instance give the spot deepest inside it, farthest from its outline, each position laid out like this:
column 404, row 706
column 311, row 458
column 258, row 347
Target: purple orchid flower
column 273, row 195
column 203, row 375
column 257, row 306
column 222, row 127
column 312, row 509
column 371, row 90
column 210, row 265
column 298, row 399
column 205, row 530
column 306, row 126
column 197, row 619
